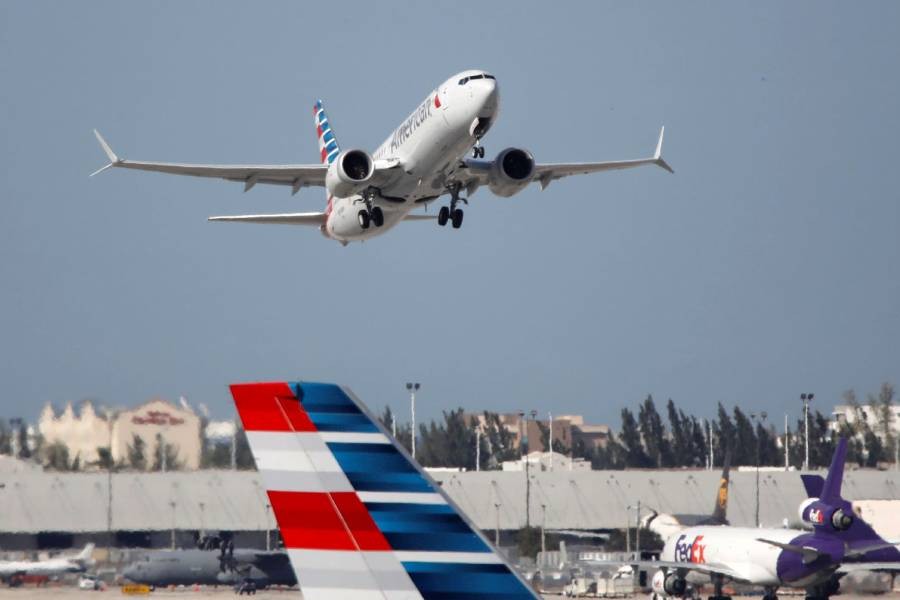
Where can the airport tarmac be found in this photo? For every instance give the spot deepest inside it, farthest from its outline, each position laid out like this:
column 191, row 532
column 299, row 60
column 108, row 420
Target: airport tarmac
column 222, row 593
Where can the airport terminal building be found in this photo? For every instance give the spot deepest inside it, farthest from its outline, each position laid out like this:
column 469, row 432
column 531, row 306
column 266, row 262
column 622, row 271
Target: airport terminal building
column 43, row 509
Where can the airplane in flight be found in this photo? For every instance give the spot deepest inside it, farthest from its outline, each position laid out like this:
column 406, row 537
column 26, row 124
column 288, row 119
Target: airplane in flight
column 12, row 571
column 840, row 542
column 665, row 525
column 422, row 160
column 359, row 518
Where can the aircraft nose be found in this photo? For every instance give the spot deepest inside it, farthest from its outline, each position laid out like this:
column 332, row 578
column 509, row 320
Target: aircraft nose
column 489, row 94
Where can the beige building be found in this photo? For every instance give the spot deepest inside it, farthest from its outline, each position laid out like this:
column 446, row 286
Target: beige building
column 83, row 433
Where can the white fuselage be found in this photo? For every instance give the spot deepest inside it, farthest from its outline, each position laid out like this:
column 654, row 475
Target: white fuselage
column 53, row 566
column 429, row 143
column 737, row 548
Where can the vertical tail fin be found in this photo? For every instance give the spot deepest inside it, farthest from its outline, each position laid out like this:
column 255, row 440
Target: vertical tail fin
column 328, row 146
column 831, row 490
column 359, row 518
column 720, row 510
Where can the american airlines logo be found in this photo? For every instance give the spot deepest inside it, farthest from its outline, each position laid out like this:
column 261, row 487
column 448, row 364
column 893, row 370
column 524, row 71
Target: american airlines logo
column 690, row 551
column 412, row 123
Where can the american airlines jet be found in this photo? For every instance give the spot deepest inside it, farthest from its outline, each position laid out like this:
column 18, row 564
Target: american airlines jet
column 424, row 159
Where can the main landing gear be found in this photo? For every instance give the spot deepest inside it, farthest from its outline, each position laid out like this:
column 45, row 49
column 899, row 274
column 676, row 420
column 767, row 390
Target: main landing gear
column 478, row 149
column 451, row 213
column 717, row 585
column 825, row 590
column 371, row 214
column 770, row 593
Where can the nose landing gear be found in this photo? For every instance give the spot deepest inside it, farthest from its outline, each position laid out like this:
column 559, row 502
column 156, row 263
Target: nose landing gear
column 452, row 213
column 478, row 149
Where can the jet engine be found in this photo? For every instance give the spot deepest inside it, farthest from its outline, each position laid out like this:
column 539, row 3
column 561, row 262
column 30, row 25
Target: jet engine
column 818, row 513
column 511, row 172
column 349, row 173
column 668, row 584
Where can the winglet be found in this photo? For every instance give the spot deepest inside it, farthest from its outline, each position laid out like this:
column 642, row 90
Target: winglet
column 113, row 159
column 657, row 156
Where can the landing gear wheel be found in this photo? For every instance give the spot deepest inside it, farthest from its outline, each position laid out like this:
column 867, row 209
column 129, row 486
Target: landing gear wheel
column 478, row 152
column 443, row 216
column 457, row 217
column 377, row 216
column 363, row 218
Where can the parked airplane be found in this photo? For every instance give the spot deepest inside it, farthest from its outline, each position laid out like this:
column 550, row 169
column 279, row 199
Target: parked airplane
column 359, row 518
column 11, row 571
column 665, row 525
column 163, row 568
column 422, row 160
column 773, row 558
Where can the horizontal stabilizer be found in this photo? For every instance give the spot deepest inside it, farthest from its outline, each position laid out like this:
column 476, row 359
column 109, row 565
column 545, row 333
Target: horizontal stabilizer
column 314, row 218
column 810, row 555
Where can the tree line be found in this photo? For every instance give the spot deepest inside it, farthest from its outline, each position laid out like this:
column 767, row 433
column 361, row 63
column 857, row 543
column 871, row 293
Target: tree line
column 648, row 438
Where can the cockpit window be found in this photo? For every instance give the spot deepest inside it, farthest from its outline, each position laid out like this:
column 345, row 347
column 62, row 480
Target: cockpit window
column 466, row 80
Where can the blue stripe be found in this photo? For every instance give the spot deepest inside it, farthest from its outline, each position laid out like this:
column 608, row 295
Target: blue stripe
column 327, row 136
column 436, row 582
column 342, row 422
column 332, row 145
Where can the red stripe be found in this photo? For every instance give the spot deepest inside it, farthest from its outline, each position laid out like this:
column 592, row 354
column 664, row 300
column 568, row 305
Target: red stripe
column 359, row 522
column 264, row 406
column 324, row 154
column 309, row 520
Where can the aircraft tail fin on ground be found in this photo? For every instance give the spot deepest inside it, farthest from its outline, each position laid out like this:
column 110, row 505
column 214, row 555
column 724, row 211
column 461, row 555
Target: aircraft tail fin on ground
column 831, row 489
column 813, row 485
column 719, row 514
column 328, row 146
column 359, row 518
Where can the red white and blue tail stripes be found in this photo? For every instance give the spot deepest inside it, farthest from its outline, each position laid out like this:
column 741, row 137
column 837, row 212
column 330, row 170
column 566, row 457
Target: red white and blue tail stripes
column 358, row 517
column 328, row 146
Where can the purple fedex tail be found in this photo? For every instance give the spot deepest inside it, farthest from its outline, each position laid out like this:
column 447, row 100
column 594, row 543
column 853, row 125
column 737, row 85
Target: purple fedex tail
column 832, row 516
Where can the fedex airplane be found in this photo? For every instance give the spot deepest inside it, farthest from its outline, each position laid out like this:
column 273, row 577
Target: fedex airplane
column 424, row 159
column 840, row 542
column 360, row 520
column 665, row 525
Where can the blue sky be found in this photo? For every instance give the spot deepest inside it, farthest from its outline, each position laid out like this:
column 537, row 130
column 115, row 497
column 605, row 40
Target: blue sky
column 765, row 267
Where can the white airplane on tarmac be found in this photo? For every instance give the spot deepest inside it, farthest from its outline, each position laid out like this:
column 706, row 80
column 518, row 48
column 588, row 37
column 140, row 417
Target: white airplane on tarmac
column 422, row 160
column 12, row 570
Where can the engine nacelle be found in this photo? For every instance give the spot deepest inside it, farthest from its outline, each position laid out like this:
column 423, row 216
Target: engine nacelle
column 820, row 514
column 668, row 584
column 511, row 172
column 349, row 173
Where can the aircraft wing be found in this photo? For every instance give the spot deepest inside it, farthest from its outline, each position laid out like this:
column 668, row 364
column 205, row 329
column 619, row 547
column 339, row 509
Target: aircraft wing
column 682, row 567
column 475, row 173
column 296, row 176
column 545, row 173
column 870, row 566
column 310, row 218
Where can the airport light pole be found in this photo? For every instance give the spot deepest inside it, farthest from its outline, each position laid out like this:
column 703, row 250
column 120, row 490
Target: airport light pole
column 806, row 399
column 412, row 388
column 762, row 416
column 478, row 448
column 637, row 529
column 787, row 441
column 533, row 414
column 172, row 504
column 543, row 526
